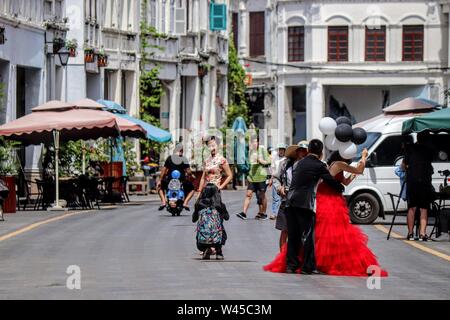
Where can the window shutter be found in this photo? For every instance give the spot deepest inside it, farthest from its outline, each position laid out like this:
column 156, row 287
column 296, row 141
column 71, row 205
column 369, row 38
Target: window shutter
column 257, row 35
column 180, row 21
column 218, row 17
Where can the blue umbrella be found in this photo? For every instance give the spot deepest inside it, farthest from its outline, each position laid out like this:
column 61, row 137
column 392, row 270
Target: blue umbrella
column 153, row 133
column 112, row 106
column 240, row 154
column 118, row 154
column 239, row 125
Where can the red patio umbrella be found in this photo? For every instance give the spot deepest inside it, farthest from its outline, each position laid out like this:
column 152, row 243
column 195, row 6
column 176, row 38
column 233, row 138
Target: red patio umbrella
column 60, row 122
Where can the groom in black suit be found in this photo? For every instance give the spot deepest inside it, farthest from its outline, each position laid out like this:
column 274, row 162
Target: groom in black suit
column 301, row 207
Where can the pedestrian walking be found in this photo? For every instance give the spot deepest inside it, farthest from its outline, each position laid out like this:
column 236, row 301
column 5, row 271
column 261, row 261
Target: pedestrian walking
column 257, row 178
column 209, row 214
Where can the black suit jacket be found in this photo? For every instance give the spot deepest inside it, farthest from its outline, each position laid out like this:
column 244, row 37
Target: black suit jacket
column 306, row 176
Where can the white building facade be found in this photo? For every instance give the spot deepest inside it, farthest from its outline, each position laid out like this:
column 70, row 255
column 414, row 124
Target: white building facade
column 322, row 57
column 110, row 27
column 193, row 63
column 30, row 70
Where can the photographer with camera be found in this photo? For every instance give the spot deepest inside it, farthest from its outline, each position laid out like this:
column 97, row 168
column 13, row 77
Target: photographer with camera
column 257, row 178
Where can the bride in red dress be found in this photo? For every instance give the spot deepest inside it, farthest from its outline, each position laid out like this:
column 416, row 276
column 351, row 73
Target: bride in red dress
column 341, row 248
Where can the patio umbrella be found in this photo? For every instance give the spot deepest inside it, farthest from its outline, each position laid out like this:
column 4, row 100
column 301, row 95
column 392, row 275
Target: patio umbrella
column 58, row 121
column 438, row 121
column 72, row 124
column 112, row 106
column 240, row 154
column 411, row 104
column 153, row 133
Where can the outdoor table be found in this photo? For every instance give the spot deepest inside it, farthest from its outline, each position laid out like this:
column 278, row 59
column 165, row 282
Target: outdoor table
column 108, row 185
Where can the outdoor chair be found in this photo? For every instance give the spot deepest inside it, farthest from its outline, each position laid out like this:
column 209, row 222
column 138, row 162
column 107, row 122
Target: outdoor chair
column 123, row 189
column 28, row 197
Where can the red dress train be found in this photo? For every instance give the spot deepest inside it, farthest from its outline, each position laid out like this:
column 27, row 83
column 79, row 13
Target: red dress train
column 341, row 248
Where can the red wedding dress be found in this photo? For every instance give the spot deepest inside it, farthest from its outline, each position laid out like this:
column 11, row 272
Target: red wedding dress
column 341, row 248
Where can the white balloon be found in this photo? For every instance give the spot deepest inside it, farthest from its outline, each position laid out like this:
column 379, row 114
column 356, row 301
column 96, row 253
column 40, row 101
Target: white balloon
column 332, row 143
column 348, row 150
column 327, row 126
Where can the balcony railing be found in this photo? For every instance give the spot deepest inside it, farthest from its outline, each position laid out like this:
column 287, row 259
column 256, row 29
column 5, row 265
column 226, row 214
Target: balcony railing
column 116, row 41
column 189, row 44
column 165, row 49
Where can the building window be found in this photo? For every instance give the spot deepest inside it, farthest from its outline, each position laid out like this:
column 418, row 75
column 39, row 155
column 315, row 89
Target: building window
column 235, row 21
column 376, row 44
column 413, row 43
column 338, row 43
column 257, row 34
column 296, row 44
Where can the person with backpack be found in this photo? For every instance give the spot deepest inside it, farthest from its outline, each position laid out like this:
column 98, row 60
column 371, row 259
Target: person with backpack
column 209, row 214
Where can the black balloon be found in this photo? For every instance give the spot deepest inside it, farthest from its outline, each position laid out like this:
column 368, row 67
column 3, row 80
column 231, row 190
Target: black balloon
column 359, row 136
column 343, row 120
column 344, row 132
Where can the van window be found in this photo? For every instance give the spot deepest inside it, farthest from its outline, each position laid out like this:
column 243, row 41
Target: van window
column 372, row 137
column 440, row 143
column 391, row 149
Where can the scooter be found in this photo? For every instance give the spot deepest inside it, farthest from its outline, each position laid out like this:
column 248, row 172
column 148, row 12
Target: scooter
column 175, row 195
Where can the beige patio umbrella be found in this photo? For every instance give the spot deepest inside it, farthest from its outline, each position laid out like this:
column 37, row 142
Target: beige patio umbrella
column 410, row 105
column 58, row 122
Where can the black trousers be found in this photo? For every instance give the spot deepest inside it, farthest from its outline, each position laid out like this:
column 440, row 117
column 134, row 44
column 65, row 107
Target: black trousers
column 301, row 223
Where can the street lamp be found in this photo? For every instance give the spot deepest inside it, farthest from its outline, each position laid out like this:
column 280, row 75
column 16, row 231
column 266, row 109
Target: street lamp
column 64, row 55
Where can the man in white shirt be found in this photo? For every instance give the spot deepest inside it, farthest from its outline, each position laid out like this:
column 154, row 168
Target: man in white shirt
column 277, row 158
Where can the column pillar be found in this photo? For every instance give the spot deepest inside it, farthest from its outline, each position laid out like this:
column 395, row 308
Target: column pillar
column 314, row 109
column 196, row 18
column 281, row 101
column 243, row 27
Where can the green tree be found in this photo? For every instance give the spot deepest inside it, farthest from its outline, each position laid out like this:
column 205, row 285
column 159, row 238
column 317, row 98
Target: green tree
column 237, row 106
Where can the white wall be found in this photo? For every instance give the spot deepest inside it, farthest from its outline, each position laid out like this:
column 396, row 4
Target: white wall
column 365, row 102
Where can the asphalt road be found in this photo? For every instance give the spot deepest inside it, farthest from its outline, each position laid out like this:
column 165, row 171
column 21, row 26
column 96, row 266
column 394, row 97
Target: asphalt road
column 137, row 252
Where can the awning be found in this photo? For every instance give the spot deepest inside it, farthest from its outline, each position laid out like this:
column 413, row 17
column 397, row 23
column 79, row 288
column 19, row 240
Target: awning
column 153, row 133
column 74, row 124
column 112, row 106
column 411, row 105
column 438, row 121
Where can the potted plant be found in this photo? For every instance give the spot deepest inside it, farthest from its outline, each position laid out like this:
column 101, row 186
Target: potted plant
column 203, row 69
column 89, row 54
column 72, row 46
column 58, row 44
column 9, row 168
column 102, row 59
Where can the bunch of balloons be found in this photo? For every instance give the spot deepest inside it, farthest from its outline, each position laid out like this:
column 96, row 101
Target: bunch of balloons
column 341, row 136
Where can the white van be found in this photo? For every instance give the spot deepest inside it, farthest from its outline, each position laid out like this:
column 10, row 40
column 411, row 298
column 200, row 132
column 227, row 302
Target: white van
column 368, row 195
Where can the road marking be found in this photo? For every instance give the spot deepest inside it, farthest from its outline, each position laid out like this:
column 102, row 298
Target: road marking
column 37, row 225
column 414, row 244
